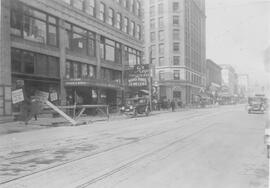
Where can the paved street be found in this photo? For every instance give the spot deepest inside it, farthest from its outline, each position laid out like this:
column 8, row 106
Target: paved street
column 214, row 147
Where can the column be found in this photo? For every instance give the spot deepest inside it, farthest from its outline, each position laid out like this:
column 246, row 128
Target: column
column 62, row 61
column 5, row 61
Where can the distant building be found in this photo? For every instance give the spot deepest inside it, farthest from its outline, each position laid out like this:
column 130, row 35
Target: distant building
column 213, row 77
column 229, row 80
column 175, row 44
column 243, row 85
column 76, row 48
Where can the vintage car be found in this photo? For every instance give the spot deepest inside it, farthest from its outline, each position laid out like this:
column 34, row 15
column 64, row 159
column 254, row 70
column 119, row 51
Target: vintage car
column 135, row 106
column 257, row 104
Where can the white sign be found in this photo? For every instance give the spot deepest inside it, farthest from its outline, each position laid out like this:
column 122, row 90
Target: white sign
column 42, row 96
column 17, row 96
column 53, row 96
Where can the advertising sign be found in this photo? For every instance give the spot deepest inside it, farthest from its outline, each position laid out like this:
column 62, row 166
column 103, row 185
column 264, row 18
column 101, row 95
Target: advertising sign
column 138, row 76
column 17, row 96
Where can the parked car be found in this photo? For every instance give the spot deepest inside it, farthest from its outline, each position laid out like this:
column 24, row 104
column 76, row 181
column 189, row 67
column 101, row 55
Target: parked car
column 257, row 104
column 135, row 106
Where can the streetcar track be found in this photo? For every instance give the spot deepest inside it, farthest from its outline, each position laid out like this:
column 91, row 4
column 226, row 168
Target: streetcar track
column 130, row 163
column 108, row 149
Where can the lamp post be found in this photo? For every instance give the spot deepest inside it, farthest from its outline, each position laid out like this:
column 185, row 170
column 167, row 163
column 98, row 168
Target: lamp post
column 150, row 78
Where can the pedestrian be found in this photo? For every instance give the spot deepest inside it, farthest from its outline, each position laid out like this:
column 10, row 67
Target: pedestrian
column 173, row 105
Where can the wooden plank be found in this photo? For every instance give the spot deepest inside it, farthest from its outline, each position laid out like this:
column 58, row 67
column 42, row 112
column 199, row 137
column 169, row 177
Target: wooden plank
column 64, row 115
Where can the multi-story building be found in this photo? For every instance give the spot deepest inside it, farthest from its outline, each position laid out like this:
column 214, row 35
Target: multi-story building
column 213, row 77
column 229, row 80
column 243, row 85
column 175, row 45
column 76, row 48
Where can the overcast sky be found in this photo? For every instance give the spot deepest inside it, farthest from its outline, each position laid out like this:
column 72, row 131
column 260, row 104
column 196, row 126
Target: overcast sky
column 237, row 34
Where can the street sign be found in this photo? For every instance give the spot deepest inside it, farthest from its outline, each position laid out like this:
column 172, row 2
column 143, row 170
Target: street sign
column 138, row 76
column 17, row 96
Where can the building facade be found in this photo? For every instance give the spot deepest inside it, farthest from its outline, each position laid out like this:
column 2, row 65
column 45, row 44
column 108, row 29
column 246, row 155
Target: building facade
column 78, row 49
column 229, row 80
column 243, row 85
column 213, row 77
column 175, row 45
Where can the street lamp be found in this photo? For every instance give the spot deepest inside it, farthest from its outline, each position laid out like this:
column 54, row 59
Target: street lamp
column 150, row 78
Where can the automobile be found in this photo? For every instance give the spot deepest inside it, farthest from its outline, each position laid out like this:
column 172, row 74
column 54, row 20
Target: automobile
column 256, row 104
column 135, row 106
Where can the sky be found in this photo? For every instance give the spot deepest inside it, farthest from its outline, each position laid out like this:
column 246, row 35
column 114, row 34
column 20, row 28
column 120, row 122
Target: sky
column 237, row 33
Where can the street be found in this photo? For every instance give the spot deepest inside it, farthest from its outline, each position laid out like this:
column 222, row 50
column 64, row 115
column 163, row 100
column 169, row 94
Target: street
column 214, row 147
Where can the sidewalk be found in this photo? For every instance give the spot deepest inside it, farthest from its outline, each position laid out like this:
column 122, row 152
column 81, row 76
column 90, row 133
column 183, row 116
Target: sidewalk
column 49, row 122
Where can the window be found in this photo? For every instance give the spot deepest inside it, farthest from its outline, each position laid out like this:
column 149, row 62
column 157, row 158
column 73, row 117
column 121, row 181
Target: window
column 138, row 8
column 153, row 51
column 160, row 8
column 78, row 4
column 152, row 24
column 92, row 7
column 111, row 75
column 125, row 26
column 79, row 70
column 161, row 61
column 131, row 6
column 176, row 60
column 110, row 16
column 161, row 75
column 138, row 31
column 33, row 25
column 132, row 28
column 176, row 47
column 110, row 50
column 102, row 11
column 152, row 36
column 177, row 94
column 125, row 3
column 161, row 35
column 33, row 63
column 161, row 22
column 176, row 75
column 152, row 11
column 161, row 49
column 67, row 1
column 175, row 6
column 175, row 20
column 118, row 21
column 80, row 40
column 176, row 34
column 132, row 56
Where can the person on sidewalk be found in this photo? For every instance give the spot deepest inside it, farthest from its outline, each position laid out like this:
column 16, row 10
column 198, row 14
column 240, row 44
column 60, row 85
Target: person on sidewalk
column 173, row 105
